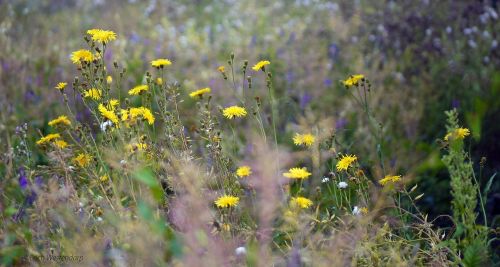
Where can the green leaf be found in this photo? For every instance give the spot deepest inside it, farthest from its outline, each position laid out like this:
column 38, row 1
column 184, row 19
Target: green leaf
column 11, row 253
column 147, row 177
column 488, row 186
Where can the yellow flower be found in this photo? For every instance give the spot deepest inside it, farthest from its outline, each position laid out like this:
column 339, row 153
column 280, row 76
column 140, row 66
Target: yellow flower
column 364, row 210
column 82, row 159
column 108, row 114
column 459, row 133
column 124, row 114
column 138, row 89
column 199, row 93
column 221, row 69
column 143, row 112
column 297, row 173
column 345, row 162
column 226, row 227
column 159, row 81
column 60, row 120
column 260, row 65
column 353, row 80
column 104, row 178
column 301, row 202
column 303, row 139
column 113, row 103
column 160, row 63
column 137, row 147
column 389, row 179
column 93, row 93
column 244, row 171
column 82, row 55
column 61, row 86
column 109, row 79
column 48, row 138
column 102, row 35
column 227, row 201
column 234, row 111
column 60, row 144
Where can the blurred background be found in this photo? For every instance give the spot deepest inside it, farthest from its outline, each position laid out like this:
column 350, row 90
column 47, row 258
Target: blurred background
column 422, row 57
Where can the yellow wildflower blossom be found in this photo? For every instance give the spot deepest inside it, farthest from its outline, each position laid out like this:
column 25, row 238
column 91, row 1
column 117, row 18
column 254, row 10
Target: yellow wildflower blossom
column 82, row 159
column 60, row 120
column 104, row 178
column 109, row 79
column 227, row 201
column 93, row 93
column 61, row 86
column 124, row 114
column 301, row 202
column 221, row 68
column 141, row 112
column 108, row 114
column 226, row 227
column 60, row 144
column 113, row 103
column 345, row 162
column 260, row 65
column 82, row 55
column 160, row 63
column 389, row 179
column 297, row 173
column 303, row 139
column 234, row 111
column 244, row 171
column 48, row 138
column 364, row 210
column 102, row 36
column 159, row 81
column 138, row 89
column 353, row 80
column 459, row 133
column 199, row 93
column 137, row 147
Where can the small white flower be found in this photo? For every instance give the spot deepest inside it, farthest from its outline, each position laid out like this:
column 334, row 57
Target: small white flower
column 240, row 251
column 99, row 219
column 356, row 211
column 123, row 162
column 80, row 204
column 325, row 180
column 472, row 43
column 342, row 185
column 105, row 125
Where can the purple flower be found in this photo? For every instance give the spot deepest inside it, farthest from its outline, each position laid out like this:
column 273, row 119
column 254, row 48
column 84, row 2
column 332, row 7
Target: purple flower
column 328, row 82
column 23, row 180
column 290, row 76
column 305, row 99
column 340, row 124
column 455, row 103
column 333, row 51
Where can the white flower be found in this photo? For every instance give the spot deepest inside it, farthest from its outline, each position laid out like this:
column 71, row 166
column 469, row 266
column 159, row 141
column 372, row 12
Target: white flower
column 123, row 162
column 356, row 211
column 99, row 219
column 105, row 125
column 240, row 251
column 325, row 180
column 342, row 185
